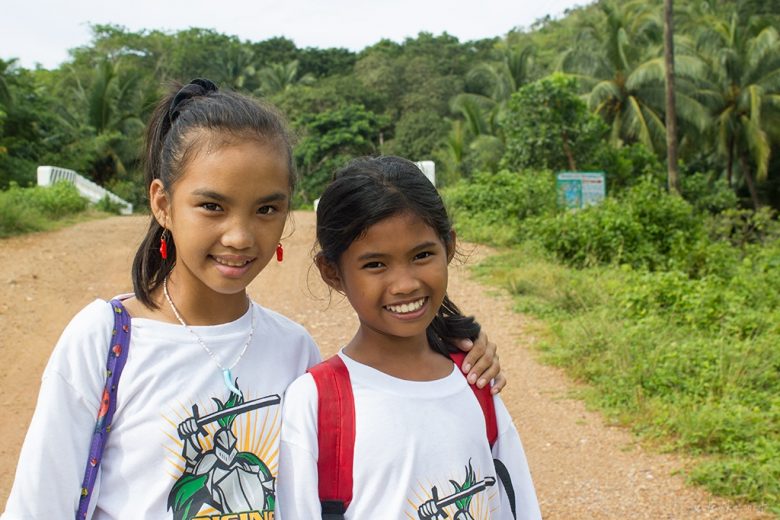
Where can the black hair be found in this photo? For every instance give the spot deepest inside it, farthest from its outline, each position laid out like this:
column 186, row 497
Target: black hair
column 369, row 190
column 187, row 119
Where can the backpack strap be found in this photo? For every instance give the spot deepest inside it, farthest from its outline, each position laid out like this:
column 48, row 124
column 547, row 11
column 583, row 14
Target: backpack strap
column 335, row 435
column 485, row 399
column 118, row 347
column 336, row 431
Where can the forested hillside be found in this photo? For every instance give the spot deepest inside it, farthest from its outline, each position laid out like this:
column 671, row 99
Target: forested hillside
column 433, row 97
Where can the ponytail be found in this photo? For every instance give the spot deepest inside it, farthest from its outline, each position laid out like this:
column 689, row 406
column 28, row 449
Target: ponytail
column 448, row 324
column 149, row 268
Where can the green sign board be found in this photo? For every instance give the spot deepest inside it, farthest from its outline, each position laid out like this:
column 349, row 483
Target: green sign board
column 580, row 189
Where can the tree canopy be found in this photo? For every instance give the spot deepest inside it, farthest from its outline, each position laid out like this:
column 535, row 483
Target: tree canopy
column 471, row 106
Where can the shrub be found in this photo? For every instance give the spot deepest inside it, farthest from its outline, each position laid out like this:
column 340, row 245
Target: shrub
column 741, row 227
column 57, row 201
column 28, row 209
column 131, row 189
column 16, row 219
column 491, row 206
column 548, row 126
column 626, row 165
column 692, row 363
column 108, row 206
column 707, row 195
column 644, row 227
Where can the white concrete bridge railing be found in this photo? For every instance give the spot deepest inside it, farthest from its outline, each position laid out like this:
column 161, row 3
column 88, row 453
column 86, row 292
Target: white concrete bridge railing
column 48, row 175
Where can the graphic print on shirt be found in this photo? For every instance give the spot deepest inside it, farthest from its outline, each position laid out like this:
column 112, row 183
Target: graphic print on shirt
column 223, row 470
column 467, row 500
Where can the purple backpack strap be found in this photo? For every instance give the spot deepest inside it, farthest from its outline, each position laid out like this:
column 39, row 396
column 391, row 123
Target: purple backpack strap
column 115, row 362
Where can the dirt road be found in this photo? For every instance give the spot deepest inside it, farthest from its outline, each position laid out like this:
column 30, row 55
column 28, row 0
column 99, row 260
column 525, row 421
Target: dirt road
column 582, row 468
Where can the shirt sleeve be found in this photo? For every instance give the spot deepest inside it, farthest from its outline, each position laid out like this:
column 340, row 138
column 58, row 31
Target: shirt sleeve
column 53, row 457
column 512, row 472
column 314, row 354
column 297, row 482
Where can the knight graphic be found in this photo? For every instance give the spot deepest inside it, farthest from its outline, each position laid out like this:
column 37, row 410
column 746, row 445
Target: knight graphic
column 222, row 477
column 434, row 509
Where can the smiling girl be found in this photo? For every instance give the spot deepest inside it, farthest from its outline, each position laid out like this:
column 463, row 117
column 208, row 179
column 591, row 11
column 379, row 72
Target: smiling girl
column 412, row 441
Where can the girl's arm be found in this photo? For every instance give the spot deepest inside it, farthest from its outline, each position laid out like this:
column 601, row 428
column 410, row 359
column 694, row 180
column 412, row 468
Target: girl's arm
column 512, row 472
column 54, row 454
column 297, row 492
column 481, row 363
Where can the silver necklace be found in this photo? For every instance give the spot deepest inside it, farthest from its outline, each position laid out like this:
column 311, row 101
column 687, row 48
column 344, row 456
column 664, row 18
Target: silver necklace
column 227, row 373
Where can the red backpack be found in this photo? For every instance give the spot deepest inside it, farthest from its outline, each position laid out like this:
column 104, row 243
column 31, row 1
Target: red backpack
column 336, row 431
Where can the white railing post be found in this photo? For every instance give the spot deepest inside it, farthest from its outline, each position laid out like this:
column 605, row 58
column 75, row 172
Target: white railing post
column 429, row 169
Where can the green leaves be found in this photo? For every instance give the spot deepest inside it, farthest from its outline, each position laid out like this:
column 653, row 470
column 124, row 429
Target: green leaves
column 547, row 126
column 330, row 139
column 690, row 362
column 644, row 227
column 280, row 77
column 491, row 207
column 23, row 210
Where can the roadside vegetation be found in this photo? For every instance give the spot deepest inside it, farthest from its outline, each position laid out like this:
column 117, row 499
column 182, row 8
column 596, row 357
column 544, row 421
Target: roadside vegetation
column 670, row 314
column 26, row 210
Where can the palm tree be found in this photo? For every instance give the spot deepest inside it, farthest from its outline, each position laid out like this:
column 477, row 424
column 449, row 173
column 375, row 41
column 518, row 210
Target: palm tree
column 479, row 132
column 455, row 149
column 483, row 110
column 6, row 67
column 478, row 112
column 618, row 62
column 742, row 88
column 512, row 70
column 279, row 77
column 108, row 104
column 673, row 176
column 238, row 62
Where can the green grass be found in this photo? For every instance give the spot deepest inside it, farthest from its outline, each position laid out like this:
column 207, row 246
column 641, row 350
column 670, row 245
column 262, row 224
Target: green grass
column 27, row 210
column 690, row 365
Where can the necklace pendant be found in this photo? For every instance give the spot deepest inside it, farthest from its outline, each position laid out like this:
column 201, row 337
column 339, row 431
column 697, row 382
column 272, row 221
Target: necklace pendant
column 228, row 376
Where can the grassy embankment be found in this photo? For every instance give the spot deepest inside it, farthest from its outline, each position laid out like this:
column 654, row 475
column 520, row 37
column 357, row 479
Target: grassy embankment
column 670, row 315
column 26, row 210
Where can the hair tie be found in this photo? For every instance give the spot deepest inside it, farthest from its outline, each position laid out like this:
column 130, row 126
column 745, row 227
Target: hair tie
column 195, row 88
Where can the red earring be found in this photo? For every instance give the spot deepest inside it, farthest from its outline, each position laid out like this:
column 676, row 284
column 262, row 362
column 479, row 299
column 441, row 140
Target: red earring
column 279, row 252
column 163, row 245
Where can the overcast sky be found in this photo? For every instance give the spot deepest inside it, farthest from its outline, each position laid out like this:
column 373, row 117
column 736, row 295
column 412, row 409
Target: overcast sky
column 42, row 31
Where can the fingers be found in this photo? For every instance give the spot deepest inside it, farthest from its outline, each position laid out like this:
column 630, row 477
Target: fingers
column 183, row 431
column 484, row 376
column 473, row 351
column 187, row 428
column 499, row 382
column 479, row 359
column 481, row 363
column 464, row 344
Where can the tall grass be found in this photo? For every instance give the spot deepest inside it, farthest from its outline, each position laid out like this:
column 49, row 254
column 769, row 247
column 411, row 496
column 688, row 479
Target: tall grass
column 692, row 364
column 24, row 210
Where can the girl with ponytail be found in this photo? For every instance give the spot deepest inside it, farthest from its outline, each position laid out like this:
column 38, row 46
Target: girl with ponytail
column 415, row 437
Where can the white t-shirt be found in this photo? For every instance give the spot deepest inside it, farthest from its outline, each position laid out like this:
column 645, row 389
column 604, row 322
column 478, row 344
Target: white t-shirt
column 149, row 471
column 411, row 438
